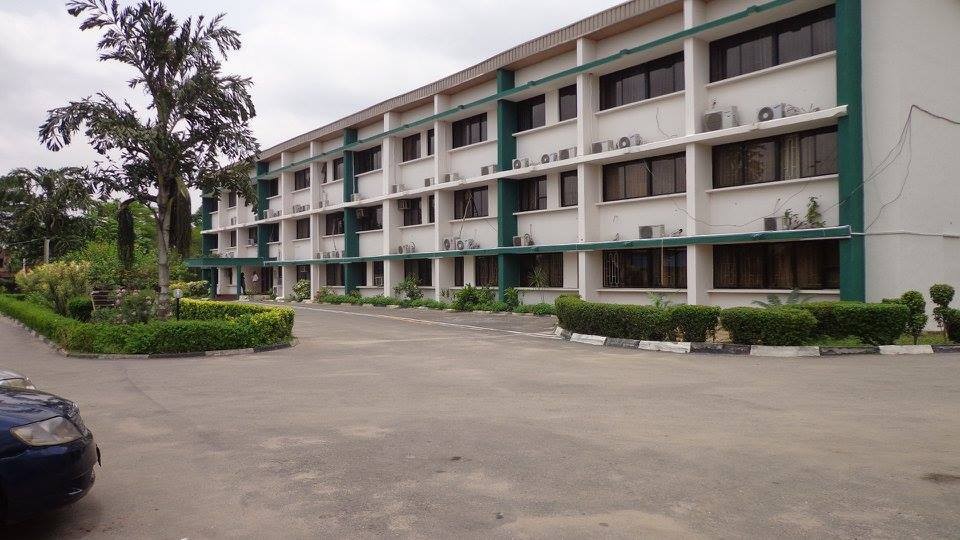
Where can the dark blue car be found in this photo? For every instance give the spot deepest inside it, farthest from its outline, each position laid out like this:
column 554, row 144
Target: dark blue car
column 47, row 454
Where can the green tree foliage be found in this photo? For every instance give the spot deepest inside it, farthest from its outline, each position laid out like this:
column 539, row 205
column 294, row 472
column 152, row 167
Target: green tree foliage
column 44, row 203
column 196, row 118
column 58, row 282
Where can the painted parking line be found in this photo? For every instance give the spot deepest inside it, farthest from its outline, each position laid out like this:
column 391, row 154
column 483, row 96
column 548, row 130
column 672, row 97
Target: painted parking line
column 549, row 334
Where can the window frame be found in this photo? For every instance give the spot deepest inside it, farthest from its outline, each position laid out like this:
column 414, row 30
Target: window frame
column 410, row 148
column 460, row 208
column 368, row 160
column 644, row 183
column 532, row 194
column 301, row 179
column 333, row 224
column 629, row 275
column 552, row 263
column 566, row 92
column 431, row 142
column 334, row 274
column 463, row 130
column 338, row 169
column 372, row 220
column 531, row 113
column 458, row 264
column 273, row 188
column 822, row 167
column 486, row 271
column 419, row 269
column 767, row 253
column 566, row 177
column 613, row 92
column 231, row 199
column 299, row 268
column 413, row 215
column 305, row 224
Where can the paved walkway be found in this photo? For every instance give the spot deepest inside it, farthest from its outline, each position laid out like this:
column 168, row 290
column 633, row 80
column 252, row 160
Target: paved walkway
column 378, row 425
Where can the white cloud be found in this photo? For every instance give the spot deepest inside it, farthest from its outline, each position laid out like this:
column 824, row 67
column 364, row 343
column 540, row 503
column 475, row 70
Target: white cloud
column 311, row 62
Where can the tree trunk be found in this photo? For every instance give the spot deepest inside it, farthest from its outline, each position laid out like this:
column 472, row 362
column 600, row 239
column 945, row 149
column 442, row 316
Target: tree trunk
column 163, row 254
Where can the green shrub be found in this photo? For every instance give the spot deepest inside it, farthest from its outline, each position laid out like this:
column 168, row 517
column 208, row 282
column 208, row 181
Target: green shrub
column 136, row 307
column 512, row 298
column 301, row 290
column 80, row 308
column 951, row 320
column 917, row 318
column 544, row 309
column 941, row 294
column 612, row 320
column 408, row 289
column 470, row 298
column 876, row 324
column 494, row 306
column 694, row 323
column 105, row 315
column 378, row 300
column 768, row 326
column 191, row 289
column 35, row 317
column 58, row 282
column 427, row 303
column 827, row 323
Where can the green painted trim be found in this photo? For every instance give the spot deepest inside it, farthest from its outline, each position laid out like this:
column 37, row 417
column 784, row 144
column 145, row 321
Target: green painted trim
column 842, row 232
column 507, row 190
column 850, row 148
column 211, row 262
column 206, row 218
column 207, row 242
column 214, row 281
column 263, row 240
column 683, row 34
column 263, row 191
column 351, row 240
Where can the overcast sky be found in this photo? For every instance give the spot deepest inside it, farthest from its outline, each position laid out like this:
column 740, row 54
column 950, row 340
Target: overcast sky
column 312, row 62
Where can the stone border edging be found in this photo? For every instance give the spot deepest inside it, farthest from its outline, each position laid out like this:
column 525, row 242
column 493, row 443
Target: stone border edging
column 121, row 356
column 685, row 347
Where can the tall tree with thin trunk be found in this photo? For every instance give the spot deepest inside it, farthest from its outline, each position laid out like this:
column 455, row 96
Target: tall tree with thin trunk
column 194, row 132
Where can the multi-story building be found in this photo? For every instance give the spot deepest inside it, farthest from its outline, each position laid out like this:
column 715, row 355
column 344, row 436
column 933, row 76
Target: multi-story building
column 709, row 151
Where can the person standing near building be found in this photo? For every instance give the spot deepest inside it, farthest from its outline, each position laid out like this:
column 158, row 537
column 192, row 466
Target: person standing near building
column 241, row 289
column 256, row 282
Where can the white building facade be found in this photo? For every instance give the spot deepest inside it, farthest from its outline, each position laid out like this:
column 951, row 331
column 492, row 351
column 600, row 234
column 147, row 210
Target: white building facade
column 708, row 152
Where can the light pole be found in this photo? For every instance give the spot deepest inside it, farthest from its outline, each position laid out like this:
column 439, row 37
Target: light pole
column 177, row 295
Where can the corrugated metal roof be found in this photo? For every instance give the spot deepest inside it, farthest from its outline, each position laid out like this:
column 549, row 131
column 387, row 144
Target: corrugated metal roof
column 562, row 38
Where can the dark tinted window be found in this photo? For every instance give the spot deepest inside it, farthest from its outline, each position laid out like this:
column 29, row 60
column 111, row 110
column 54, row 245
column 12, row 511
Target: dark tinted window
column 469, row 203
column 458, row 271
column 784, row 41
column 430, row 211
column 369, row 218
column 273, row 187
column 366, row 160
column 568, row 102
column 303, row 272
column 231, row 199
column 301, row 179
column 547, row 265
column 645, row 268
column 338, row 168
column 485, row 271
column 430, row 142
column 411, row 147
column 531, row 113
column 413, row 215
column 273, row 232
column 470, row 130
column 652, row 79
column 568, row 188
column 780, row 265
column 334, row 275
column 533, row 194
column 303, row 228
column 420, row 270
column 785, row 157
column 334, row 223
column 644, row 177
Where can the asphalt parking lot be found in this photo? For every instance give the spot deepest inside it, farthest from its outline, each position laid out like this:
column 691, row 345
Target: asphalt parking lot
column 410, row 423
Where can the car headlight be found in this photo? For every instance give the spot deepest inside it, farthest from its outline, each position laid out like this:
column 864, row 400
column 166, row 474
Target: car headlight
column 19, row 382
column 56, row 430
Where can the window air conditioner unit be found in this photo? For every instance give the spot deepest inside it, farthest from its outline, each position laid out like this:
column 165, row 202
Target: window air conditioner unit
column 356, row 197
column 652, row 231
column 361, row 213
column 335, row 254
column 772, row 112
column 567, row 153
column 779, row 223
column 489, row 169
column 452, row 177
column 525, row 240
column 228, row 255
column 404, row 204
column 275, row 213
column 602, row 146
column 378, row 281
column 321, row 254
column 397, row 188
column 517, row 241
column 233, row 221
column 449, row 243
column 411, row 248
column 547, row 158
column 401, row 249
column 629, row 140
column 720, row 118
column 427, row 182
column 467, row 244
column 520, row 163
column 770, row 223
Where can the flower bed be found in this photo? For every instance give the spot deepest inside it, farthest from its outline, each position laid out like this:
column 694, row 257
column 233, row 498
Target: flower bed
column 204, row 326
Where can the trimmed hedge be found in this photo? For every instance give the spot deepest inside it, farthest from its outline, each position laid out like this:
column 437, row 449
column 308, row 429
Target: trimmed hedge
column 80, row 309
column 694, row 323
column 876, row 324
column 612, row 320
column 768, row 326
column 951, row 322
column 203, row 326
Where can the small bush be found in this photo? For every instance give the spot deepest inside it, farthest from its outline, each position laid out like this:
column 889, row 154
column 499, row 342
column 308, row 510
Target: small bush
column 917, row 319
column 512, row 298
column 58, row 282
column 408, row 289
column 876, row 324
column 136, row 307
column 951, row 320
column 105, row 315
column 191, row 289
column 695, row 323
column 544, row 309
column 301, row 290
column 470, row 298
column 941, row 294
column 80, row 308
column 612, row 320
column 768, row 326
column 494, row 306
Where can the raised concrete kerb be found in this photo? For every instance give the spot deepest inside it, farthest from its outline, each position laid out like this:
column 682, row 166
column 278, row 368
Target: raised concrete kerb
column 749, row 350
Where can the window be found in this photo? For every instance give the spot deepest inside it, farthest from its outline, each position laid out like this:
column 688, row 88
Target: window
column 420, row 270
column 273, row 232
column 531, row 113
column 301, row 179
column 784, row 41
column 470, row 130
column 413, row 215
column 533, row 194
column 378, row 272
column 252, row 236
column 568, row 188
column 338, row 169
column 370, row 218
column 470, row 203
column 549, row 265
column 303, row 228
column 812, row 264
column 485, row 271
column 655, row 268
column 334, row 275
column 231, row 199
column 645, row 177
column 366, row 160
column 430, row 142
column 458, row 271
column 644, row 81
column 795, row 155
column 361, row 273
column 411, row 147
column 323, row 172
column 273, row 187
column 568, row 102
column 431, row 216
column 303, row 272
column 229, row 276
column 233, row 238
column 334, row 223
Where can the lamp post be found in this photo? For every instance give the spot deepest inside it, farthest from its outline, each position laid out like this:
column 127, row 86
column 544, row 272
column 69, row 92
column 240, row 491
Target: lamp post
column 177, row 295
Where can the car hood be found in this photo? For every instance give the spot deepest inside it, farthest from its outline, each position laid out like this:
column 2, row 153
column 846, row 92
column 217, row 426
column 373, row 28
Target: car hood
column 18, row 407
column 7, row 374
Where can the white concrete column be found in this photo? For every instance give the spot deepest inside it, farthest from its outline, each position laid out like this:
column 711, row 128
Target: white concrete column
column 390, row 159
column 587, row 98
column 696, row 67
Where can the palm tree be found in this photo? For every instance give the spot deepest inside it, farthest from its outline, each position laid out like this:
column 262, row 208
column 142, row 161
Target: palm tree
column 196, row 119
column 45, row 204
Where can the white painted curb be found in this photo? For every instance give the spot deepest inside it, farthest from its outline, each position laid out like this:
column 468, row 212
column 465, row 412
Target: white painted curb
column 784, row 351
column 906, row 349
column 665, row 346
column 588, row 339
